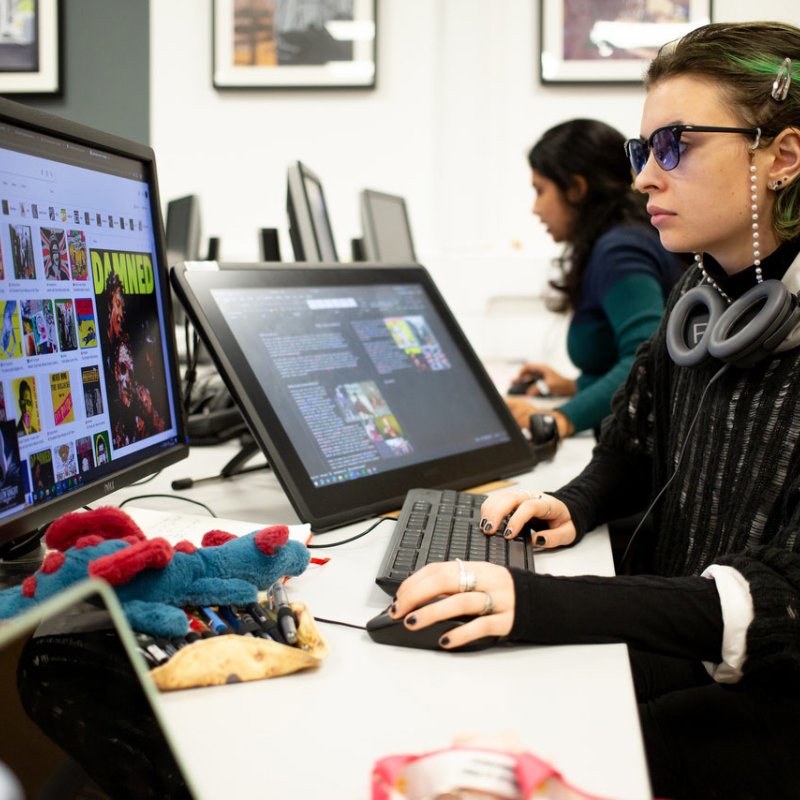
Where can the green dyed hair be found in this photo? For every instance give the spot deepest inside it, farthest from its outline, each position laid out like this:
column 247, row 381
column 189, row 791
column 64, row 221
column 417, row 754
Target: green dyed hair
column 744, row 60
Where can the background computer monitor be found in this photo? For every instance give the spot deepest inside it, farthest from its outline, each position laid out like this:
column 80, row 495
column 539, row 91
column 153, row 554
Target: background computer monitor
column 89, row 393
column 309, row 222
column 387, row 232
column 183, row 234
column 183, row 229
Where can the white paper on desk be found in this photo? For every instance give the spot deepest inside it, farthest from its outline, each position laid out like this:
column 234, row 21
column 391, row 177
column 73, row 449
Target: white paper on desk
column 192, row 527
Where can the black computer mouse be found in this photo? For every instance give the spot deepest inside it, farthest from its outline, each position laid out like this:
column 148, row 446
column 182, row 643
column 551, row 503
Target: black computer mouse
column 385, row 630
column 522, row 386
column 531, row 379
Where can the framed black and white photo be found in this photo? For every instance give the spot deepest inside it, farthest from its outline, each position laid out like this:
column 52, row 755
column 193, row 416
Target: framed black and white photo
column 610, row 41
column 29, row 47
column 294, row 44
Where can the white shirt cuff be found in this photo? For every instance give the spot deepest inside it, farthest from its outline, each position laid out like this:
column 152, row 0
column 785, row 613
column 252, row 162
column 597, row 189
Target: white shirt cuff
column 737, row 614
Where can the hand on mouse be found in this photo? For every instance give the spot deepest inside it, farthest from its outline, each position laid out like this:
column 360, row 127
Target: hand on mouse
column 507, row 513
column 490, row 601
column 556, row 383
column 521, row 409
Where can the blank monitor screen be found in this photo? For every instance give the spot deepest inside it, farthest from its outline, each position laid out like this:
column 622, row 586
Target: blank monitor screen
column 356, row 381
column 387, row 232
column 309, row 221
column 89, row 399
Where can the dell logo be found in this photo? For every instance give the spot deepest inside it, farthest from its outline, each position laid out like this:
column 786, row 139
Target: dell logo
column 108, row 486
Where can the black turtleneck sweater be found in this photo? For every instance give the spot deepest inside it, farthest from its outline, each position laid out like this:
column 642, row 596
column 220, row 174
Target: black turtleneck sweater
column 734, row 500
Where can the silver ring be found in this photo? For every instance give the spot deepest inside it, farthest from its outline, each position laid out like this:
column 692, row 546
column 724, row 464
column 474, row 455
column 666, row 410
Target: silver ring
column 466, row 580
column 488, row 606
column 540, row 496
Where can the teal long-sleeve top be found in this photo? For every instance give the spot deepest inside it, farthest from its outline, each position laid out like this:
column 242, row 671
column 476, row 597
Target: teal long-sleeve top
column 625, row 286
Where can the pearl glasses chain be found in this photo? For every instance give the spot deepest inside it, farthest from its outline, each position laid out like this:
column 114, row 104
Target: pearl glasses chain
column 698, row 257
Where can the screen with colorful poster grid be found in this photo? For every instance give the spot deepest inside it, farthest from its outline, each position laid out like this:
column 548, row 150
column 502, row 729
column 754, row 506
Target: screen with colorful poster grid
column 89, row 397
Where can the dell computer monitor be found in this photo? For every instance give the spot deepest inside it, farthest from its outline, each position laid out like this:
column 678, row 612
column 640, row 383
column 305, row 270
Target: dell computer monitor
column 89, row 397
column 183, row 229
column 387, row 232
column 309, row 223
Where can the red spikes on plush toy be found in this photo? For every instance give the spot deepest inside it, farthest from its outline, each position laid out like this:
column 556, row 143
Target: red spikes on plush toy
column 107, row 522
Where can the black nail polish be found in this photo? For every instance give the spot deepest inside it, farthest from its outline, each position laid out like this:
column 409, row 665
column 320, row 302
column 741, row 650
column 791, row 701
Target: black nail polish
column 508, row 533
column 483, row 523
column 412, row 620
column 444, row 641
column 488, row 526
column 540, row 541
column 393, row 608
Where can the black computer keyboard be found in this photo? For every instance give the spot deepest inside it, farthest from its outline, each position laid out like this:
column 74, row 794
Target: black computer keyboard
column 442, row 525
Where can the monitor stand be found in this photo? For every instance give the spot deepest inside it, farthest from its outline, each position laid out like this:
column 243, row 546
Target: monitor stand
column 235, row 466
column 21, row 558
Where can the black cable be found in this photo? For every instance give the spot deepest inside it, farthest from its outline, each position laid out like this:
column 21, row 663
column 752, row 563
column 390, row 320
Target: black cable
column 192, row 356
column 353, row 538
column 187, row 483
column 146, row 479
column 718, row 374
column 171, row 497
column 338, row 622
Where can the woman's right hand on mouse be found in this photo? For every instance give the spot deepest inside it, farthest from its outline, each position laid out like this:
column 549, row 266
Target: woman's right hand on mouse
column 466, row 588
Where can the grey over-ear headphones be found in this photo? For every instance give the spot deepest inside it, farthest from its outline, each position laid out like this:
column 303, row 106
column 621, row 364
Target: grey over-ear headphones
column 701, row 326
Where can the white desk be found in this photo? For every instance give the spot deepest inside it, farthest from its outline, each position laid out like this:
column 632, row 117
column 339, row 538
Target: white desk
column 316, row 734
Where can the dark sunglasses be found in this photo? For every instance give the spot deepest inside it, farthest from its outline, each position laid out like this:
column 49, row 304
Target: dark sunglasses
column 665, row 144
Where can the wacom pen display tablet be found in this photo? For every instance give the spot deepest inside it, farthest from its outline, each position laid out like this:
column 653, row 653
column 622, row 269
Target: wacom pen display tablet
column 357, row 383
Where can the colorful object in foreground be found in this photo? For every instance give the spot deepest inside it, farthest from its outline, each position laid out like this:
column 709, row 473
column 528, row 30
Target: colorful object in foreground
column 470, row 772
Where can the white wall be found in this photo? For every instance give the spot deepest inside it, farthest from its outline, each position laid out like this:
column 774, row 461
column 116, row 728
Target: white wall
column 457, row 105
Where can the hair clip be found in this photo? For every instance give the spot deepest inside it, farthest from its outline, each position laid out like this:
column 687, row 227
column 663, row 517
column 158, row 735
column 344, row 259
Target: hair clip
column 780, row 86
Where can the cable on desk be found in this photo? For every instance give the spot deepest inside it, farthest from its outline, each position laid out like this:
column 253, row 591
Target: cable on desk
column 353, row 538
column 146, row 479
column 171, row 497
column 338, row 622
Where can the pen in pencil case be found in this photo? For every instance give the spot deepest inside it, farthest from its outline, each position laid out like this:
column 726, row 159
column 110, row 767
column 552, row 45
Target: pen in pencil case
column 213, row 620
column 152, row 653
column 283, row 611
column 169, row 647
column 268, row 625
column 241, row 622
column 198, row 626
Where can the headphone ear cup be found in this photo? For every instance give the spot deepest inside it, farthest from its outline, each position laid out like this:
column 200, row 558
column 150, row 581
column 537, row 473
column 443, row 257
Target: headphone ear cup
column 685, row 347
column 754, row 325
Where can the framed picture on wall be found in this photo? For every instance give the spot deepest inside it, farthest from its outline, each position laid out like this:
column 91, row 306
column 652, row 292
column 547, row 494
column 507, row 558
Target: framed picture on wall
column 292, row 44
column 610, row 41
column 29, row 47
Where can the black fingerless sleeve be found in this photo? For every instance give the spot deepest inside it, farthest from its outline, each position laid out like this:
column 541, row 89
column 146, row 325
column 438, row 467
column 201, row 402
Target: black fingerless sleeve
column 680, row 617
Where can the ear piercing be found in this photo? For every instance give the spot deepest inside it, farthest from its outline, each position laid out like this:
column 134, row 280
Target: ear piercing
column 775, row 185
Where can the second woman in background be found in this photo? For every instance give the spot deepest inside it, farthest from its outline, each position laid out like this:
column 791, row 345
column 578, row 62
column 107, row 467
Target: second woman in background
column 615, row 275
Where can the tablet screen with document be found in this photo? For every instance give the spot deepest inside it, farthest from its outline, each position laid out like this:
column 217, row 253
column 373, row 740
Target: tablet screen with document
column 357, row 383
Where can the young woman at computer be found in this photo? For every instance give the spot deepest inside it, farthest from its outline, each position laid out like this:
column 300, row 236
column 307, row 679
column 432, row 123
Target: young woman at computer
column 711, row 439
column 615, row 275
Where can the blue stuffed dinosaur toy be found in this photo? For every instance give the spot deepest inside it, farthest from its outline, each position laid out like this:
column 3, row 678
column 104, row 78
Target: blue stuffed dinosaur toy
column 153, row 580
